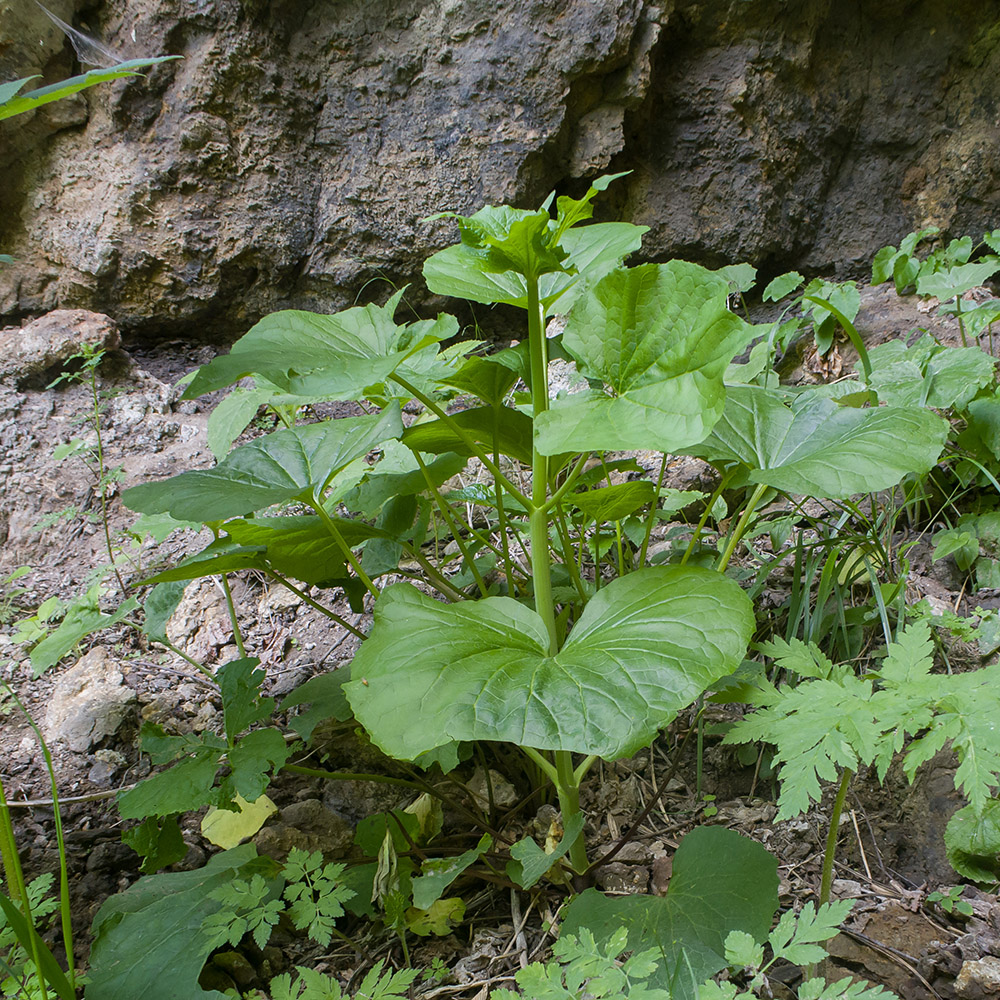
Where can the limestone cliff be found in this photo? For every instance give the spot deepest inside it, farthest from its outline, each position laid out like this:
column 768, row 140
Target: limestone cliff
column 289, row 158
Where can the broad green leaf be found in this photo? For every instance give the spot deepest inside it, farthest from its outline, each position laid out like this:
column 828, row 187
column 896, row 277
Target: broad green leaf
column 436, row 874
column 83, row 617
column 591, row 251
column 242, row 706
column 437, row 437
column 927, row 373
column 530, row 862
column 972, row 842
column 160, row 606
column 822, row 449
column 398, row 474
column 159, row 918
column 309, row 354
column 219, row 556
column 228, row 829
column 325, row 696
column 185, row 786
column 613, row 503
column 289, row 464
column 783, row 285
column 301, row 546
column 660, row 337
column 440, row 919
column 946, row 285
column 721, row 882
column 11, row 105
column 644, row 648
column 486, row 379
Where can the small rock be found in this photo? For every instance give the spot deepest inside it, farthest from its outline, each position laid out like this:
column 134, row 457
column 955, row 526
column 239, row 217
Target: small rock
column 51, row 339
column 277, row 599
column 308, row 825
column 504, row 793
column 617, row 877
column 88, row 702
column 979, row 980
column 236, row 967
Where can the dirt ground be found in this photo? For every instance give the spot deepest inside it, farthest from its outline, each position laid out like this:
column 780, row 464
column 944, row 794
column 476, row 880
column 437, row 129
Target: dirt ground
column 891, row 852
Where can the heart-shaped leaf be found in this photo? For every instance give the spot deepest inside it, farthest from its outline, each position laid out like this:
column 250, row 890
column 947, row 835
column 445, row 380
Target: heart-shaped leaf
column 721, row 882
column 293, row 463
column 821, row 449
column 660, row 337
column 644, row 648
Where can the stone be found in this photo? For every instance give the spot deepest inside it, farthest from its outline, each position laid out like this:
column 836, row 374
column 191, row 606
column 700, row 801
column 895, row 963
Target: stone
column 88, row 702
column 308, row 825
column 48, row 341
column 808, row 140
column 979, row 979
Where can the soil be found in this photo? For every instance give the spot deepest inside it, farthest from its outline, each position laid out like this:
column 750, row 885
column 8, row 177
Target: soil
column 891, row 849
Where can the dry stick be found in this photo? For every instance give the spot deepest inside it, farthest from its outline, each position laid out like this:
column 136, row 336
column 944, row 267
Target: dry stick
column 900, row 957
column 653, row 799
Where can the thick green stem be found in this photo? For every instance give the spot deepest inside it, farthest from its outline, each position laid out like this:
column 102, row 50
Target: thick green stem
column 344, row 547
column 568, row 789
column 653, row 508
column 741, row 526
column 446, row 513
column 831, row 837
column 541, row 566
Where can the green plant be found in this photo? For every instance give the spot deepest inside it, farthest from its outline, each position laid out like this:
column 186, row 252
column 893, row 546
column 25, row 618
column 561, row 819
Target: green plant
column 796, row 938
column 826, row 722
column 950, row 900
column 12, row 102
column 538, row 623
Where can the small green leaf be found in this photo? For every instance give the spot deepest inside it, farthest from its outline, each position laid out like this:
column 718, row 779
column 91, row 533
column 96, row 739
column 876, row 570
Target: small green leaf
column 531, row 862
column 505, row 430
column 437, row 874
column 783, row 285
column 240, row 681
column 616, row 502
column 972, row 842
column 946, row 285
column 743, row 951
column 13, row 104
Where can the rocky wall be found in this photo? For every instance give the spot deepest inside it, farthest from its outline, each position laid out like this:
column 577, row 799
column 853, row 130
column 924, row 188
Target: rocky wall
column 291, row 156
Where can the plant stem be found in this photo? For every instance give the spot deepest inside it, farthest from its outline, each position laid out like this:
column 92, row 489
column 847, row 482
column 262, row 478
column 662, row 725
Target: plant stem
column 102, row 486
column 653, row 508
column 541, row 566
column 958, row 316
column 315, row 605
column 568, row 789
column 703, row 520
column 741, row 525
column 467, row 439
column 343, row 546
column 64, row 902
column 237, row 634
column 446, row 513
column 831, row 837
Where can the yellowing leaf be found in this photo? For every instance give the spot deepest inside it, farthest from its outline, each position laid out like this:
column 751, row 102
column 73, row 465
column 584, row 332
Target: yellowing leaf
column 227, row 829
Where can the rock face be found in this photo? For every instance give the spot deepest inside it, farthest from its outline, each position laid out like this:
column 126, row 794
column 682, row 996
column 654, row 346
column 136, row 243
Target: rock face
column 289, row 158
